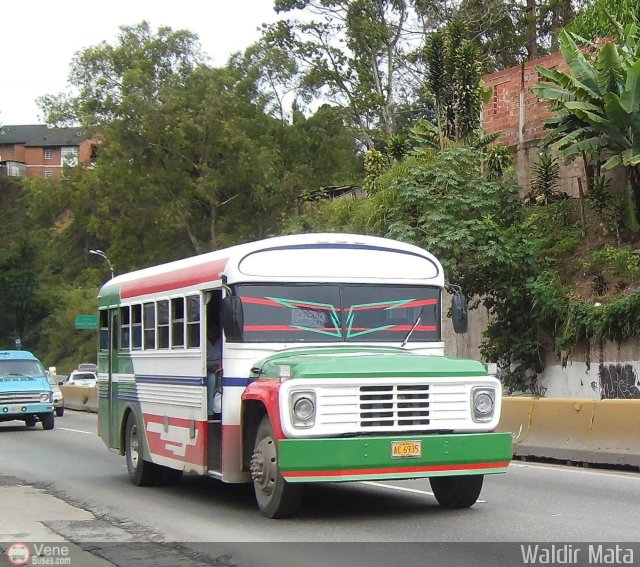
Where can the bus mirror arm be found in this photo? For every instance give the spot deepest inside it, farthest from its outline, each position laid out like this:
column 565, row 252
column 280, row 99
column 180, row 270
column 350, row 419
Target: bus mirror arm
column 232, row 317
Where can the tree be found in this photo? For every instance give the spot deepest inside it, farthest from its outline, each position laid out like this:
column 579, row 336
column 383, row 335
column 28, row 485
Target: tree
column 597, row 103
column 598, row 18
column 354, row 53
column 454, row 80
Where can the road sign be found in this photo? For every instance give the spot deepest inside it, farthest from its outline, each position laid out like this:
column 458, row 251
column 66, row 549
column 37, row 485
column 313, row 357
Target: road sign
column 86, row 321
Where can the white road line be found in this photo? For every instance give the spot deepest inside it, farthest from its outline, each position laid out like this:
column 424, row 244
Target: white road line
column 573, row 469
column 75, row 430
column 402, row 488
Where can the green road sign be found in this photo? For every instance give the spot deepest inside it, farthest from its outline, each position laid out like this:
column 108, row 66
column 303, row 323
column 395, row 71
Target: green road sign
column 86, row 321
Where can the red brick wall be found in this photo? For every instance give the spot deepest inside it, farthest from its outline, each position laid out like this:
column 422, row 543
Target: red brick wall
column 518, row 114
column 503, row 113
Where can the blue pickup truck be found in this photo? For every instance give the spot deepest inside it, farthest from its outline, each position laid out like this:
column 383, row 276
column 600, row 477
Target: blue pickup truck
column 25, row 393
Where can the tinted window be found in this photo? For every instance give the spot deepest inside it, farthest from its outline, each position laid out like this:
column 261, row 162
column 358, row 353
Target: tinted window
column 345, row 312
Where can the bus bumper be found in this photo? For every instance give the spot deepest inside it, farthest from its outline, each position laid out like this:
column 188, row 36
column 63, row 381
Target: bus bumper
column 377, row 458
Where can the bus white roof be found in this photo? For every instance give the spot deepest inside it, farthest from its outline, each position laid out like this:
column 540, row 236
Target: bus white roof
column 322, row 257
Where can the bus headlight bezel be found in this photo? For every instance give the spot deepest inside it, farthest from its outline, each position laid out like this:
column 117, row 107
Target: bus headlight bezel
column 302, row 406
column 45, row 397
column 483, row 403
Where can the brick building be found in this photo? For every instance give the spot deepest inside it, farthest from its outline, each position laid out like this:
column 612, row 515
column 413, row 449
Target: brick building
column 35, row 150
column 516, row 112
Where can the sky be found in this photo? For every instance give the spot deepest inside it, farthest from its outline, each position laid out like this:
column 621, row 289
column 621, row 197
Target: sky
column 39, row 38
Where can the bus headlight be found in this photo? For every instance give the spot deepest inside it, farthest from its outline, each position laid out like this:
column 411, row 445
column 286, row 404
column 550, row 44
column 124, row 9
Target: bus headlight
column 303, row 409
column 483, row 403
column 44, row 398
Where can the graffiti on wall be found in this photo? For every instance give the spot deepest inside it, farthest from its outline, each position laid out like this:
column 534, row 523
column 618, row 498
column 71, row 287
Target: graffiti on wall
column 618, row 382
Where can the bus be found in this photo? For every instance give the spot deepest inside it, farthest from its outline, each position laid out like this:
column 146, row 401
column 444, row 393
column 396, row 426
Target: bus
column 331, row 369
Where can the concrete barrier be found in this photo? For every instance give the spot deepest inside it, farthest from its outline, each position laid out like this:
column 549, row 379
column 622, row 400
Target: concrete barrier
column 615, row 433
column 587, row 431
column 82, row 398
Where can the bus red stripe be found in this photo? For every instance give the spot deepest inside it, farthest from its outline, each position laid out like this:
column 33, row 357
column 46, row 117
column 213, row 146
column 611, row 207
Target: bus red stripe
column 179, row 278
column 393, row 470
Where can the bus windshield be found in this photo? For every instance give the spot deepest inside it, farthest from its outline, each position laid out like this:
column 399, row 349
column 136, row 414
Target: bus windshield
column 339, row 312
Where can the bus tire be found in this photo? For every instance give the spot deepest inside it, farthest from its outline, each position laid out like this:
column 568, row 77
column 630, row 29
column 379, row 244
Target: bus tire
column 141, row 472
column 276, row 497
column 48, row 420
column 457, row 491
column 30, row 421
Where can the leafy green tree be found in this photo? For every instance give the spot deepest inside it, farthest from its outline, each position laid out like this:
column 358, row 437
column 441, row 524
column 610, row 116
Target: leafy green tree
column 352, row 52
column 19, row 281
column 454, row 80
column 597, row 103
column 597, row 19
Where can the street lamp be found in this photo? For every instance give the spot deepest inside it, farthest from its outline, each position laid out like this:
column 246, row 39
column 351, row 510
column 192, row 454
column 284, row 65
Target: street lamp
column 103, row 255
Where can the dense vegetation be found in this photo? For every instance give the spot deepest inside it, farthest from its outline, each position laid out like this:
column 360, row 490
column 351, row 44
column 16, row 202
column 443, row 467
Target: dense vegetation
column 193, row 158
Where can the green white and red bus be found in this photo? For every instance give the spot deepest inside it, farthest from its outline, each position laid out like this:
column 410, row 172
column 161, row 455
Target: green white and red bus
column 332, row 370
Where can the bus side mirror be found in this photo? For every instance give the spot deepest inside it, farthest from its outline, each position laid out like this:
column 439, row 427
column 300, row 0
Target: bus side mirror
column 232, row 318
column 459, row 315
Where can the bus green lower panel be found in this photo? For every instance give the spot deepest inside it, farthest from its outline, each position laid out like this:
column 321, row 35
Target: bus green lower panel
column 370, row 458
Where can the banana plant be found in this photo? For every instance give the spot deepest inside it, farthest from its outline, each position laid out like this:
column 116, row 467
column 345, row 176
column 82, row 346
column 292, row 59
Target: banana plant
column 596, row 102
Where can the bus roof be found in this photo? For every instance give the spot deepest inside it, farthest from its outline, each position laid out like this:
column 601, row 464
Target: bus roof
column 323, row 257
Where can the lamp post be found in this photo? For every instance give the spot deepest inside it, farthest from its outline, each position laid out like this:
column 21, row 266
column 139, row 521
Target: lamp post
column 103, row 255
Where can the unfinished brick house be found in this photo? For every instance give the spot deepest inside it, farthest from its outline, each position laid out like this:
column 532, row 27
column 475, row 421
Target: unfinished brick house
column 35, row 150
column 515, row 111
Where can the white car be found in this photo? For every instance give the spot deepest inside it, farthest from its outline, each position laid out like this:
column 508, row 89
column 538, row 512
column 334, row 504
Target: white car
column 82, row 378
column 58, row 398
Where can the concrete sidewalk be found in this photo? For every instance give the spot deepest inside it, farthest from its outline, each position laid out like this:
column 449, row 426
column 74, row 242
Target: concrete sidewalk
column 27, row 520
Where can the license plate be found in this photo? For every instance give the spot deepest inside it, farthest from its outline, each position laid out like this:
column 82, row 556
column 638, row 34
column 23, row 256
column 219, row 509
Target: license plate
column 404, row 449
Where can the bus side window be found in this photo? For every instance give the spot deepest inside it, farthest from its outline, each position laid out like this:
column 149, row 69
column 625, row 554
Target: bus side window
column 193, row 321
column 163, row 324
column 104, row 330
column 149, row 326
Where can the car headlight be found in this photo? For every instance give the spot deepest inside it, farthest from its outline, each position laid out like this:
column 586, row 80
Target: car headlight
column 483, row 402
column 303, row 409
column 45, row 397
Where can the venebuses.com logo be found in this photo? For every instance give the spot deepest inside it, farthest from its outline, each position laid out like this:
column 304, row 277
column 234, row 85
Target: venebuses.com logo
column 19, row 554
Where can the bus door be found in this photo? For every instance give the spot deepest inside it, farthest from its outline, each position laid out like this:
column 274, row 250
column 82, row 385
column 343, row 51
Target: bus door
column 213, row 340
column 111, row 390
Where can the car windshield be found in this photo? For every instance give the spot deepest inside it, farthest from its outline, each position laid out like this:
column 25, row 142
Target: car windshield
column 21, row 368
column 83, row 376
column 339, row 312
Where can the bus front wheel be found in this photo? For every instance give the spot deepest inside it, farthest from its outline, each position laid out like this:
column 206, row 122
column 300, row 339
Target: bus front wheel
column 457, row 491
column 141, row 472
column 275, row 496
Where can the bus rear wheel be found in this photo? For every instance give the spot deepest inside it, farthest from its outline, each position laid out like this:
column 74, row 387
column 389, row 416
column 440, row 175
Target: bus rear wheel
column 30, row 421
column 141, row 472
column 457, row 491
column 275, row 496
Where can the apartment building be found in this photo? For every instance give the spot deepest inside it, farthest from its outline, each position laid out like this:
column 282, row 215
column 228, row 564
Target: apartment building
column 35, row 150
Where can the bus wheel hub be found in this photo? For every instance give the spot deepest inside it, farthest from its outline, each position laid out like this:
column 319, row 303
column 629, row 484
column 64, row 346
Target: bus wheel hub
column 263, row 464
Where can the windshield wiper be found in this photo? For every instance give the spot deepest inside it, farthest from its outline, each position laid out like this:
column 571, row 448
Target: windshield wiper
column 413, row 328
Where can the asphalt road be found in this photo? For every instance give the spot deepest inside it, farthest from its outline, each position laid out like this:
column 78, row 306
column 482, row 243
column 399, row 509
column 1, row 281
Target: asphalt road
column 381, row 523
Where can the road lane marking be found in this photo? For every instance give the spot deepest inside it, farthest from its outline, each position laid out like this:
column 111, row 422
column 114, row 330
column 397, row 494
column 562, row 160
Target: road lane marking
column 573, row 468
column 404, row 489
column 75, row 430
